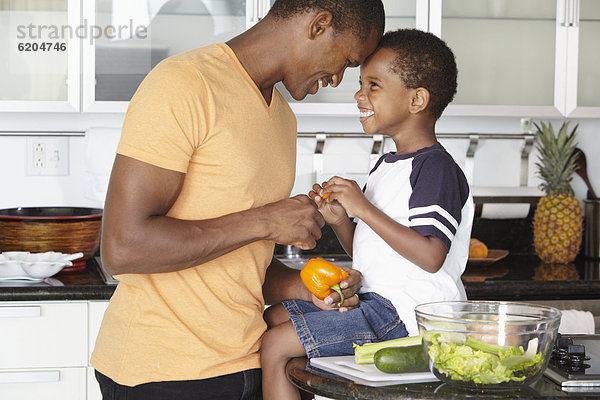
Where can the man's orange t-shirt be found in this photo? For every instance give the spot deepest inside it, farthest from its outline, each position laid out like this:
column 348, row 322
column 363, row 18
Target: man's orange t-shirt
column 201, row 114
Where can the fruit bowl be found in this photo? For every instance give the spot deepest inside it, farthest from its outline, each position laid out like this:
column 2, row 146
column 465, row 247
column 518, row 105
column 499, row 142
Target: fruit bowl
column 487, row 344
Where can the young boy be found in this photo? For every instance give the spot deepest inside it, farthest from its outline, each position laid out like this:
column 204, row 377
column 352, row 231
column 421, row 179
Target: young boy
column 414, row 217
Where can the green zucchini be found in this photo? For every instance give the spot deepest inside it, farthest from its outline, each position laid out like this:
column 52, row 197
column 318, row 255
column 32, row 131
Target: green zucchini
column 401, row 359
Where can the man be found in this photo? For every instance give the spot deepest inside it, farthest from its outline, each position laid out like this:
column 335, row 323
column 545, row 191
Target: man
column 198, row 197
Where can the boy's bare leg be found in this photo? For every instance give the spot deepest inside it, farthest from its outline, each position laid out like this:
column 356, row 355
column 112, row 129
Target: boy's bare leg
column 300, row 362
column 275, row 315
column 279, row 345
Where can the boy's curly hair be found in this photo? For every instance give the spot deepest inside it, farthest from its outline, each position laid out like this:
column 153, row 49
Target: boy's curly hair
column 424, row 60
column 359, row 17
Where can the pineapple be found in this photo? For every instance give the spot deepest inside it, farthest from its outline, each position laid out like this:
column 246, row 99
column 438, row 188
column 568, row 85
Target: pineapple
column 558, row 218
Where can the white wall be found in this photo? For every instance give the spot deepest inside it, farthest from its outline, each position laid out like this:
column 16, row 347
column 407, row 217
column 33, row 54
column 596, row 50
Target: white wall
column 497, row 163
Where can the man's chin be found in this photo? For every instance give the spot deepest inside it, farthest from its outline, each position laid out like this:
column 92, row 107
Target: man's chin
column 298, row 94
column 299, row 97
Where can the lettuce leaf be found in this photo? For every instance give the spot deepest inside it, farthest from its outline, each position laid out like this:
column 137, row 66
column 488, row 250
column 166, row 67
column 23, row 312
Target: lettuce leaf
column 484, row 363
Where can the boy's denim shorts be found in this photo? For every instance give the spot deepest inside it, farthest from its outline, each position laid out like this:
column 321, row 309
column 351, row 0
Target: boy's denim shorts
column 325, row 333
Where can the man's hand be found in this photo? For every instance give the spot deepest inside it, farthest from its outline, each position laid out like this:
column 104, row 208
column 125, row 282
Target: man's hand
column 332, row 211
column 296, row 221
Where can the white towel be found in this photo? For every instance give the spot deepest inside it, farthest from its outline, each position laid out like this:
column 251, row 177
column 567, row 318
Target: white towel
column 575, row 321
column 504, row 210
column 101, row 148
column 133, row 14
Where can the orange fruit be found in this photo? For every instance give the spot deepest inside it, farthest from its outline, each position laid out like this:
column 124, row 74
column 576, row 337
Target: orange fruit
column 477, row 249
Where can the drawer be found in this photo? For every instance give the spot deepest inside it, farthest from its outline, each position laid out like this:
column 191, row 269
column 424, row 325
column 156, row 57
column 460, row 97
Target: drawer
column 43, row 384
column 46, row 334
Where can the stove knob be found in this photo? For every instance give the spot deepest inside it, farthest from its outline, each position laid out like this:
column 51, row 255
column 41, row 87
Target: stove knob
column 576, row 355
column 564, row 343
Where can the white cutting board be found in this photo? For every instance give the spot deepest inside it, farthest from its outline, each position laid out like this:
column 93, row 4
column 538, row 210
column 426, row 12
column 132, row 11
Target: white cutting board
column 368, row 374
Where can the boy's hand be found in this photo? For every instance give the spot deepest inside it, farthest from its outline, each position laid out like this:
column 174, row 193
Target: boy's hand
column 347, row 193
column 350, row 287
column 332, row 211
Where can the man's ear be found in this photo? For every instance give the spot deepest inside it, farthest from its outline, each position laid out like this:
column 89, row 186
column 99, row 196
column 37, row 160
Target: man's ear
column 419, row 100
column 319, row 23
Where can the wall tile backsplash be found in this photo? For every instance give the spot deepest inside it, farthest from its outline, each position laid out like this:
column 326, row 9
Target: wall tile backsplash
column 496, row 162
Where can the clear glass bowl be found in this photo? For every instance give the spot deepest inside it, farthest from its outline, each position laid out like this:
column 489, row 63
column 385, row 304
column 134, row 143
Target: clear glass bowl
column 487, row 344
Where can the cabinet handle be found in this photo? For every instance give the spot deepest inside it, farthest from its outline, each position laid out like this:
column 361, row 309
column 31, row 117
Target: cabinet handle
column 255, row 11
column 29, row 377
column 20, row 312
column 571, row 13
column 376, row 150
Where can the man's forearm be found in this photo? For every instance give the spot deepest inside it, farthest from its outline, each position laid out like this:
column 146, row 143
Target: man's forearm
column 165, row 244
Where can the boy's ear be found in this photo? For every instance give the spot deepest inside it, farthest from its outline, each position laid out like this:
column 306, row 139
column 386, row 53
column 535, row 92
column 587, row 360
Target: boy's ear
column 420, row 100
column 319, row 23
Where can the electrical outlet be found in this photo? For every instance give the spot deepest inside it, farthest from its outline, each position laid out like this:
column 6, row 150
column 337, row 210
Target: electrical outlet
column 47, row 155
column 39, row 156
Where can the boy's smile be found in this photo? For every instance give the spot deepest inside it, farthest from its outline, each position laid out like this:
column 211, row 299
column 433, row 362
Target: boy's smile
column 364, row 114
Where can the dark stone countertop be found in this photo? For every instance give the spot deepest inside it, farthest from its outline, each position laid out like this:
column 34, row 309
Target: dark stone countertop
column 325, row 384
column 516, row 277
column 526, row 277
column 85, row 284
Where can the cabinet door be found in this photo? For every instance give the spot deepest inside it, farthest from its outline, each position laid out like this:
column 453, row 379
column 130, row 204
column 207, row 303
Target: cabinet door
column 340, row 100
column 40, row 335
column 131, row 44
column 40, row 65
column 508, row 54
column 50, row 384
column 586, row 99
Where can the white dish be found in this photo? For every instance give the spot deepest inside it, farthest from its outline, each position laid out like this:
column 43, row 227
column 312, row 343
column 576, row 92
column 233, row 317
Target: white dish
column 23, row 265
column 368, row 374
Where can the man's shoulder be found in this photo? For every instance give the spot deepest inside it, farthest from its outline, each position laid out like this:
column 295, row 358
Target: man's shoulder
column 200, row 60
column 200, row 54
column 187, row 70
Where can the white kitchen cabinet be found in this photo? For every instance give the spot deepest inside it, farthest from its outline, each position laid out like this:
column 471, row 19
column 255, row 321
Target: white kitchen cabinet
column 43, row 384
column 44, row 350
column 583, row 68
column 95, row 314
column 516, row 58
column 43, row 334
column 521, row 57
column 40, row 66
column 113, row 69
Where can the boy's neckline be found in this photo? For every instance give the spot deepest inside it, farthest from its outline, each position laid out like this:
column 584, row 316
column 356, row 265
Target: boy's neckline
column 392, row 156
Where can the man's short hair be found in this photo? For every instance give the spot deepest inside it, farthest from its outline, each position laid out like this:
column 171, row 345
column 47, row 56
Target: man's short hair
column 424, row 60
column 359, row 17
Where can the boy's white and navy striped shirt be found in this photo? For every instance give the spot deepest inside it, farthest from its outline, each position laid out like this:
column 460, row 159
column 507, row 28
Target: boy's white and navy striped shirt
column 427, row 192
